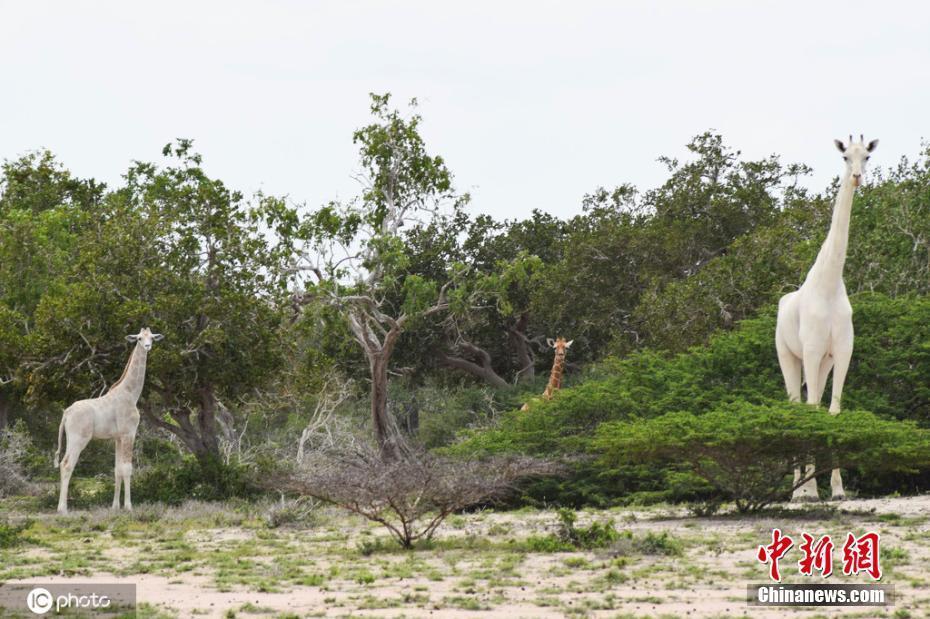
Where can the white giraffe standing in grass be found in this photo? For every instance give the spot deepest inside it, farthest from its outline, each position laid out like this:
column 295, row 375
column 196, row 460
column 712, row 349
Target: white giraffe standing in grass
column 112, row 416
column 815, row 330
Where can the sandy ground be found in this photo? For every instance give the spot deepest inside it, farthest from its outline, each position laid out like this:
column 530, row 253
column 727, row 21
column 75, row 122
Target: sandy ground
column 708, row 579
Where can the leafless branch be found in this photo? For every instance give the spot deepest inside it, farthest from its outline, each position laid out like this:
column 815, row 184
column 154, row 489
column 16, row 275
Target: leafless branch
column 319, row 430
column 410, row 495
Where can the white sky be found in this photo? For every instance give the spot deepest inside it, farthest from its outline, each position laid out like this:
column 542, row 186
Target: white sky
column 533, row 104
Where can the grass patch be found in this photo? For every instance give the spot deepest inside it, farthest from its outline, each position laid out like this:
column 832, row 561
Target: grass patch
column 12, row 534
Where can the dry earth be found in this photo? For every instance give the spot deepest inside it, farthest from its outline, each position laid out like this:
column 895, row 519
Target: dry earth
column 221, row 561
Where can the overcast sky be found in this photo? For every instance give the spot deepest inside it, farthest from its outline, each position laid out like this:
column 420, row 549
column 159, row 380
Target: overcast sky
column 533, row 104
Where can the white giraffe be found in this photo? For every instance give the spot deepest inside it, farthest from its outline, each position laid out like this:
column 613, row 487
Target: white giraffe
column 815, row 329
column 111, row 416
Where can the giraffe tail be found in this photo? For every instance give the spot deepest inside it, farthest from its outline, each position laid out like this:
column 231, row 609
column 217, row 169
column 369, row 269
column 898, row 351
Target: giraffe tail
column 61, row 429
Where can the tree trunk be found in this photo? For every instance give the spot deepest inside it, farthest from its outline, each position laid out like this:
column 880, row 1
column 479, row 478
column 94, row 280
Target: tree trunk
column 201, row 441
column 380, row 420
column 206, row 420
column 4, row 410
column 412, row 419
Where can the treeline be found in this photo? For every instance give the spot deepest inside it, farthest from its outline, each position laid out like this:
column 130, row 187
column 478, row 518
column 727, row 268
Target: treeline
column 433, row 317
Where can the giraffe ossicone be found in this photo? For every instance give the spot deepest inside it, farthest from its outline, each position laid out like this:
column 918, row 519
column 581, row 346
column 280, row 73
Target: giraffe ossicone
column 814, row 331
column 111, row 416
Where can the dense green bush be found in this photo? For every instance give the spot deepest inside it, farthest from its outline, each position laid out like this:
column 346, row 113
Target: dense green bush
column 890, row 369
column 747, row 453
column 601, row 534
column 569, row 536
column 595, row 535
column 12, row 534
column 737, row 365
column 187, row 478
column 888, row 376
column 740, row 365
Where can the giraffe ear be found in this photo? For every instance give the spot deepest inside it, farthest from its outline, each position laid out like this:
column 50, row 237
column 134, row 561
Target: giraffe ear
column 568, row 343
column 839, row 146
column 872, row 145
column 158, row 337
column 132, row 338
column 550, row 342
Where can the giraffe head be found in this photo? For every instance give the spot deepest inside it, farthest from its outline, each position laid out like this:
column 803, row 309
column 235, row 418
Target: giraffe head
column 559, row 344
column 145, row 338
column 855, row 154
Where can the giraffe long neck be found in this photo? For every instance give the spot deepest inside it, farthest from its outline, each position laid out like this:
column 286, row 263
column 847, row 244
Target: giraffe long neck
column 133, row 377
column 555, row 377
column 828, row 268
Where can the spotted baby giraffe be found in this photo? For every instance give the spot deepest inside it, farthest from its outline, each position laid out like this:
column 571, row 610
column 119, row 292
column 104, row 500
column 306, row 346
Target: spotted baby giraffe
column 558, row 368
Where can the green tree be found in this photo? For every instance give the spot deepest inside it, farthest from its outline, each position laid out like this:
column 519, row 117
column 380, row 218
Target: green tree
column 492, row 339
column 356, row 255
column 43, row 210
column 178, row 251
column 889, row 252
column 627, row 248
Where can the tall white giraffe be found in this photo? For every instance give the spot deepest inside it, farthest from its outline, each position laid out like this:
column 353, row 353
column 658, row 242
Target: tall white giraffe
column 111, row 416
column 815, row 330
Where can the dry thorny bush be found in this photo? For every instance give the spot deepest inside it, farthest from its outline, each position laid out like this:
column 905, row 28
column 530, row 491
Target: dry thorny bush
column 411, row 493
column 14, row 448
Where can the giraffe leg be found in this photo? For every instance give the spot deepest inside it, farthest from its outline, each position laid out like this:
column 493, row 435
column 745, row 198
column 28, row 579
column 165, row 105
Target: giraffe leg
column 814, row 361
column 116, row 474
column 126, row 468
column 76, row 445
column 841, row 366
column 841, row 359
column 66, row 468
column 808, row 490
column 791, row 372
column 825, row 366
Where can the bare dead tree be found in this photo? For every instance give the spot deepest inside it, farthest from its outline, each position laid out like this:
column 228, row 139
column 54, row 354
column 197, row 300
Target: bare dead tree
column 319, row 429
column 232, row 443
column 410, row 495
